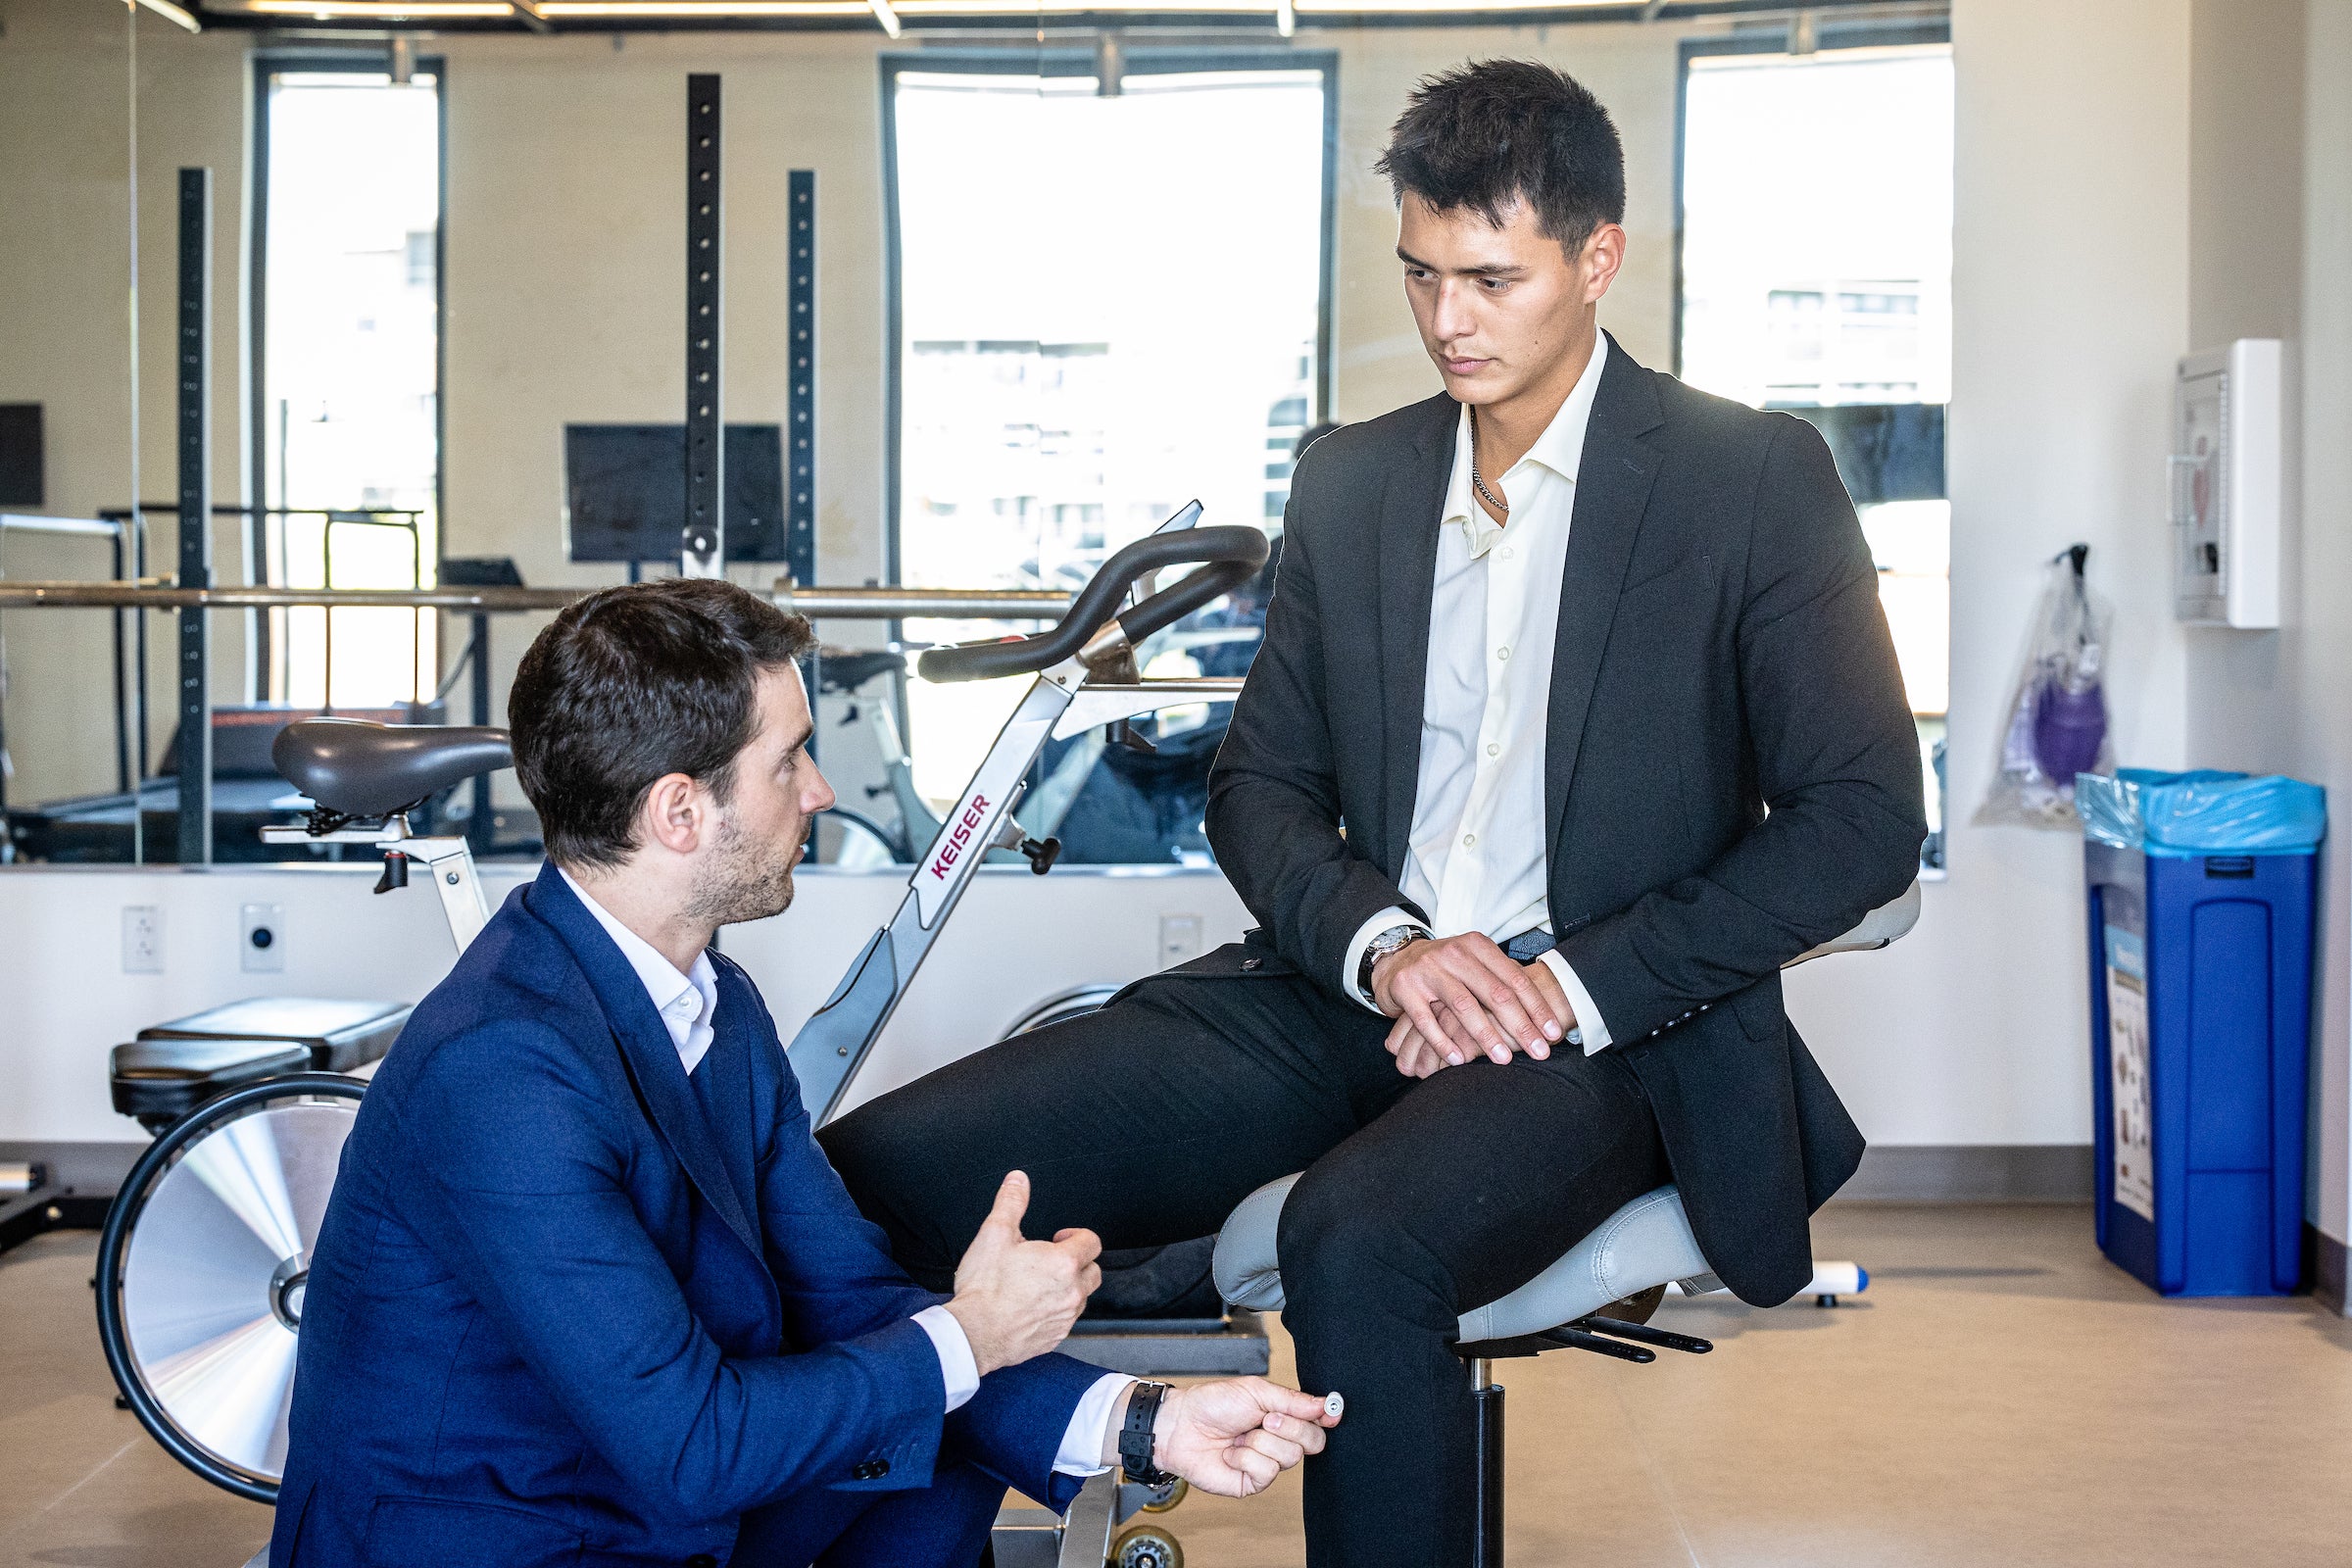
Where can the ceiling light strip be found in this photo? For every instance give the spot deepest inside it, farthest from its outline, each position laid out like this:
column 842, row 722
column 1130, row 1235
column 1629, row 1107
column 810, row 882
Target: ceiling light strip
column 1341, row 8
column 560, row 8
column 999, row 8
column 891, row 14
column 344, row 10
column 173, row 13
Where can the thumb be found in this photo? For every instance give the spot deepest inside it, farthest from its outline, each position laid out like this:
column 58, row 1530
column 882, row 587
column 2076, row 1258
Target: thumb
column 1013, row 1201
column 1276, row 1400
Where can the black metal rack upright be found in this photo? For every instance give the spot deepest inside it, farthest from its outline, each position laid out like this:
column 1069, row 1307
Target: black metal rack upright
column 194, row 345
column 703, row 548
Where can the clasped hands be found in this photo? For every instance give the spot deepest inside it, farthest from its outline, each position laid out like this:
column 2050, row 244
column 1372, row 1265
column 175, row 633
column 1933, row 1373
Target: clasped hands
column 1455, row 998
column 1016, row 1298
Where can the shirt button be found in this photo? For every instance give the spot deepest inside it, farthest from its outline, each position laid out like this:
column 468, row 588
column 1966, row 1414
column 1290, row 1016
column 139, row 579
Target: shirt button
column 1494, row 749
column 1469, row 841
column 1506, row 552
column 1503, row 652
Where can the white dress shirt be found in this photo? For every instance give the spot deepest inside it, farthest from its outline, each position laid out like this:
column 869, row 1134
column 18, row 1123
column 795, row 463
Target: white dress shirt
column 686, row 1002
column 1475, row 857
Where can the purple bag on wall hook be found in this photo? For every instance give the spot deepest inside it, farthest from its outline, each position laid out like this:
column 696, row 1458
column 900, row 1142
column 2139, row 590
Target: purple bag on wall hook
column 2058, row 712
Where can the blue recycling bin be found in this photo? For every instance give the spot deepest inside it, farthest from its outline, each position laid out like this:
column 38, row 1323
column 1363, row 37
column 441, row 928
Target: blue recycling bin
column 2201, row 899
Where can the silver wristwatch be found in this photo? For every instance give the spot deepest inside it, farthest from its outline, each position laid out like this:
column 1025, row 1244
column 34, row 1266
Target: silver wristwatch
column 1393, row 940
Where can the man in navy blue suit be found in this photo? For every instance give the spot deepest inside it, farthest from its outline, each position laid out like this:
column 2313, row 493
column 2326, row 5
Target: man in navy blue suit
column 587, row 1290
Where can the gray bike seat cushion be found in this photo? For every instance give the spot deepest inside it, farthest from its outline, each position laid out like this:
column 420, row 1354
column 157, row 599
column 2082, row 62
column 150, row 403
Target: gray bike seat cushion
column 337, row 1033
column 367, row 769
column 1645, row 1243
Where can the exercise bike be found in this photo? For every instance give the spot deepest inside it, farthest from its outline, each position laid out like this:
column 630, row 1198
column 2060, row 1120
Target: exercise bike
column 206, row 1251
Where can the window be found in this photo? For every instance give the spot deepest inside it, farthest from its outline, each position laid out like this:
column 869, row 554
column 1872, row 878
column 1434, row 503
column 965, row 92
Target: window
column 347, row 295
column 1108, row 306
column 1816, row 276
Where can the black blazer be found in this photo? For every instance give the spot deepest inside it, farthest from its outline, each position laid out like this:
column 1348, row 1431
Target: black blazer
column 1731, row 772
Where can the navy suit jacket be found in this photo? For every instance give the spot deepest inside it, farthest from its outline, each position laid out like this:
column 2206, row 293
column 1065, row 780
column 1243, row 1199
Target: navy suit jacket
column 557, row 1314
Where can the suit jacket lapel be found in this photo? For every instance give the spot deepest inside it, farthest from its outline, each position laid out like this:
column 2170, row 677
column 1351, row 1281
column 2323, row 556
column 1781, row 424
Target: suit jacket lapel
column 1410, row 500
column 645, row 1052
column 734, row 1039
column 1612, row 488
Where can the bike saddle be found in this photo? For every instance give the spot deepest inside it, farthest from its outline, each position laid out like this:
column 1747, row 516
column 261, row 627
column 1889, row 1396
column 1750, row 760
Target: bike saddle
column 355, row 768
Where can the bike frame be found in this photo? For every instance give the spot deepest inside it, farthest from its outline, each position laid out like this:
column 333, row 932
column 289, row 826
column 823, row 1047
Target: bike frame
column 1063, row 701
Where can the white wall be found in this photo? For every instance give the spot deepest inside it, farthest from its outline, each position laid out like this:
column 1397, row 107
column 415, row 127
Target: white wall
column 69, row 1003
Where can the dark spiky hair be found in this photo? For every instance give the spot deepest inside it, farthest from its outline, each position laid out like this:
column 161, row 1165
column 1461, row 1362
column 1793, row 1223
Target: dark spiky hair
column 1488, row 135
column 631, row 684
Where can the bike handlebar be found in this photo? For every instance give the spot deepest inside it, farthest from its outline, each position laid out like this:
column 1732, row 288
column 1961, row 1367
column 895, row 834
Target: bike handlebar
column 1226, row 557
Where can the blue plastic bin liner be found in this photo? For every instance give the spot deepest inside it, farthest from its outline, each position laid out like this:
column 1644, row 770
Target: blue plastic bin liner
column 2201, row 812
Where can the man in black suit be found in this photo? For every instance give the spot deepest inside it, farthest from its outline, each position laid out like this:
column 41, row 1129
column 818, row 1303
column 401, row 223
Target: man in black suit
column 1577, row 716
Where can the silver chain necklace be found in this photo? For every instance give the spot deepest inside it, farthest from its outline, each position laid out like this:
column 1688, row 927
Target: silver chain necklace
column 1476, row 483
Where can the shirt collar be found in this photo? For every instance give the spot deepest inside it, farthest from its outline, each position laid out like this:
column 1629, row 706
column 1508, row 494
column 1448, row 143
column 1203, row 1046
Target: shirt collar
column 661, row 978
column 1560, row 449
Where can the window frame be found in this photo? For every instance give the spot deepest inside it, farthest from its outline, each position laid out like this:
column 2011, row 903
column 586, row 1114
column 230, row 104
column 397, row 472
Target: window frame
column 1068, row 61
column 267, row 64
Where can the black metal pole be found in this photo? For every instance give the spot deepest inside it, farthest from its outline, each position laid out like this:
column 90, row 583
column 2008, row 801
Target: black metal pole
column 800, row 495
column 1486, row 1550
column 478, row 825
column 138, row 663
column 327, row 580
column 195, row 516
column 703, row 549
column 121, row 691
column 417, row 618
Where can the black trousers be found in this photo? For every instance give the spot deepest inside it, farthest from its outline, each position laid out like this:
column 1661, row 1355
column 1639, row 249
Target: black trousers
column 1148, row 1121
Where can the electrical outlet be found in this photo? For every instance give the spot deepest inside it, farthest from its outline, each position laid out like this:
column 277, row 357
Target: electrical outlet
column 1179, row 938
column 262, row 937
column 142, row 939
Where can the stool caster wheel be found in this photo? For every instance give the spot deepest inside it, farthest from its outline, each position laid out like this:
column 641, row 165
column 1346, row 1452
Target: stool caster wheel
column 1160, row 1499
column 1145, row 1546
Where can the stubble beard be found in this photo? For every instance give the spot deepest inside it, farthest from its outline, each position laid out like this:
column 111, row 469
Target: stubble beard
column 745, row 880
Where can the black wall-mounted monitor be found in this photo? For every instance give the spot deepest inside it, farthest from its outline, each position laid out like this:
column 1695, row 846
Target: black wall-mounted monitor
column 624, row 492
column 20, row 479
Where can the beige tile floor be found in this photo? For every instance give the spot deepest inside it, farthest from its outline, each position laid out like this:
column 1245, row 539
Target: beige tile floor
column 2000, row 1396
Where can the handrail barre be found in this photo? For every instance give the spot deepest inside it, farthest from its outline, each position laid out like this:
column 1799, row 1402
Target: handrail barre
column 62, row 527
column 848, row 603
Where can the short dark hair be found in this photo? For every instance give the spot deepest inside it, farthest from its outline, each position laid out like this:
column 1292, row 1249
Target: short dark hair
column 1496, row 133
column 635, row 683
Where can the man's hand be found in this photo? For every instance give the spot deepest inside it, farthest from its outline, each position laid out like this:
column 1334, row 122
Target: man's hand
column 1233, row 1436
column 1017, row 1299
column 1460, row 996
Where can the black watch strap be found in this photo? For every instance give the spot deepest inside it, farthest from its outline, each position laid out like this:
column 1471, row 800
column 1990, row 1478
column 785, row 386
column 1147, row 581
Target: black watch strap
column 1135, row 1437
column 1395, row 938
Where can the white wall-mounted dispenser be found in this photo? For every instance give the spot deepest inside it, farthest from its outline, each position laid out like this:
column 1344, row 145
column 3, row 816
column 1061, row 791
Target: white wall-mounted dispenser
column 2227, row 471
